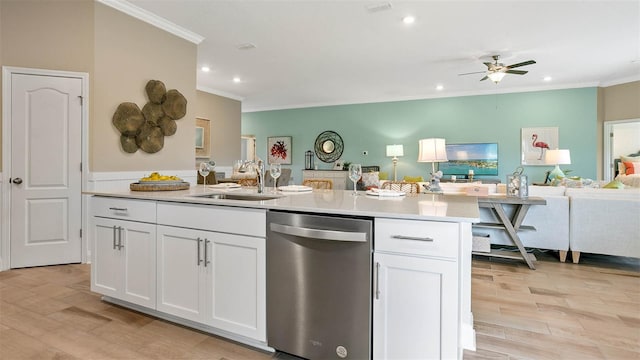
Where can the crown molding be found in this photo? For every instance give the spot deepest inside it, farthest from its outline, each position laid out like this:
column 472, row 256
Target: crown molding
column 250, row 109
column 153, row 19
column 220, row 93
column 620, row 81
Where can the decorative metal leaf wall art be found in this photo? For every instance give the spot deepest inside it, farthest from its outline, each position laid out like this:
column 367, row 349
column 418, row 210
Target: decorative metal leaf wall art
column 145, row 129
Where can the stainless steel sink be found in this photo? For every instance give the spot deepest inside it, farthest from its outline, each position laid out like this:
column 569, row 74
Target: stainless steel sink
column 244, row 197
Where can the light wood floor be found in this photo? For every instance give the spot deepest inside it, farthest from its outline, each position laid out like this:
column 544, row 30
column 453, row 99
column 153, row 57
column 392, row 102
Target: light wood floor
column 559, row 311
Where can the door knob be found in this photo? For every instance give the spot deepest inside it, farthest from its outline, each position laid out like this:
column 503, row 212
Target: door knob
column 17, row 181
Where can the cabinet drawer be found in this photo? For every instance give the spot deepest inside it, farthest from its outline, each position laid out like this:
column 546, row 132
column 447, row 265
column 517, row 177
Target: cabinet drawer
column 233, row 220
column 415, row 237
column 125, row 209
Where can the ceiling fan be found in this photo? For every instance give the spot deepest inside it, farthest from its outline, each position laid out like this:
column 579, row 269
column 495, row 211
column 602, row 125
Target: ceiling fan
column 496, row 71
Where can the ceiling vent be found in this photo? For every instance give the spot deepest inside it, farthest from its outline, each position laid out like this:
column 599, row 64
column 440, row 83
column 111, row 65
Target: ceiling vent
column 379, row 7
column 246, row 46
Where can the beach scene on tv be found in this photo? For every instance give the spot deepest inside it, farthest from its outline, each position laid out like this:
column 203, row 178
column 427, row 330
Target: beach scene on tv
column 482, row 158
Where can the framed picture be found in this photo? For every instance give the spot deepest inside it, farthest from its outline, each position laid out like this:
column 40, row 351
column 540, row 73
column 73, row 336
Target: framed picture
column 535, row 142
column 203, row 138
column 279, row 150
column 199, row 137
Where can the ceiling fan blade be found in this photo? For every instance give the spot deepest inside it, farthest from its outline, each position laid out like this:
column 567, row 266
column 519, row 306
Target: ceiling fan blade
column 484, row 78
column 517, row 72
column 489, row 64
column 475, row 72
column 530, row 62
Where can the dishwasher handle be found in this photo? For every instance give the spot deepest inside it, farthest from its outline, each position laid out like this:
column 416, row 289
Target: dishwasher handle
column 319, row 234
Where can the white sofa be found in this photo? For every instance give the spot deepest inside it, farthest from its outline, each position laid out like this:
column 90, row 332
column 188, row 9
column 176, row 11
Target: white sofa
column 601, row 221
column 604, row 221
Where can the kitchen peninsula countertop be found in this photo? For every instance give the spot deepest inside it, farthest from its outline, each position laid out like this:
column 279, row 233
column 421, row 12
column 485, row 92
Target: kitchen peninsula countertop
column 436, row 207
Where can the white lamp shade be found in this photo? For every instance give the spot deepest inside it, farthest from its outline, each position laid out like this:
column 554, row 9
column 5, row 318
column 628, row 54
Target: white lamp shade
column 557, row 157
column 395, row 150
column 496, row 77
column 432, row 150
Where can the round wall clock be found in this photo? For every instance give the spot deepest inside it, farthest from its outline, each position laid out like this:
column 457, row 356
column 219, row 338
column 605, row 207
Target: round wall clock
column 329, row 146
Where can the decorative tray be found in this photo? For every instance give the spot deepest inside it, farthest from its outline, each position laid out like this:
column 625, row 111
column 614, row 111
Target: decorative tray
column 159, row 185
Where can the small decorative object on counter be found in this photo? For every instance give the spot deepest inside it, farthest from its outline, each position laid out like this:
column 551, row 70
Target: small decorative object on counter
column 517, row 184
column 308, row 160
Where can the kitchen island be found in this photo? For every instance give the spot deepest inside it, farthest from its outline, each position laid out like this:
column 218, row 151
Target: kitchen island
column 200, row 261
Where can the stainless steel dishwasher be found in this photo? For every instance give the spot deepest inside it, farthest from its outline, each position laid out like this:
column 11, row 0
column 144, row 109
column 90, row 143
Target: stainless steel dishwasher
column 319, row 285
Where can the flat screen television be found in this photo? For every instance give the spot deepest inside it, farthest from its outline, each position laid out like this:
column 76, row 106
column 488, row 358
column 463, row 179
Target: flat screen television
column 482, row 158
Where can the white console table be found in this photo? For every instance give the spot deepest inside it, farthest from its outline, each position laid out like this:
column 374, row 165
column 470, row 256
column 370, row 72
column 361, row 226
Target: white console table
column 339, row 177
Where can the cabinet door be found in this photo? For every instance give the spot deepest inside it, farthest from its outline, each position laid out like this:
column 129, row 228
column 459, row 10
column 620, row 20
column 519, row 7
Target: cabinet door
column 237, row 296
column 415, row 308
column 106, row 269
column 180, row 272
column 138, row 254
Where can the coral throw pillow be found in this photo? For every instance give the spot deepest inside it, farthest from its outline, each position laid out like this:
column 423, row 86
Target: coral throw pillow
column 631, row 167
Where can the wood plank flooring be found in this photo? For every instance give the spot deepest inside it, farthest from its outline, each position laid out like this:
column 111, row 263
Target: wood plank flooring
column 559, row 311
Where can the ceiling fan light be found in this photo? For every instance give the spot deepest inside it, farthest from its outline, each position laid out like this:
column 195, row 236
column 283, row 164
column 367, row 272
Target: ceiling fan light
column 496, row 77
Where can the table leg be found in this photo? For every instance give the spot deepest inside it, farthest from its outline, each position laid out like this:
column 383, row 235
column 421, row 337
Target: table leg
column 512, row 228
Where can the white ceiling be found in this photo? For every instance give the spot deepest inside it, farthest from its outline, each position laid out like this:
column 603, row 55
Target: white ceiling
column 311, row 53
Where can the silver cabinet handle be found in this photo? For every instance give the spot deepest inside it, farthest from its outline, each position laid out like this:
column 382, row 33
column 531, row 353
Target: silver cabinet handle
column 402, row 237
column 118, row 209
column 319, row 234
column 114, row 237
column 120, row 246
column 199, row 241
column 377, row 280
column 206, row 261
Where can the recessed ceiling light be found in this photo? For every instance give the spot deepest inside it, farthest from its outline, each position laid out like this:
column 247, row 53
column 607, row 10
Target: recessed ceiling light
column 547, row 78
column 236, row 79
column 439, row 87
column 408, row 19
column 205, row 69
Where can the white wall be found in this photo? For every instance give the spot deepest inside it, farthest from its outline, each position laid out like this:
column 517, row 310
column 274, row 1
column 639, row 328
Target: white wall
column 626, row 138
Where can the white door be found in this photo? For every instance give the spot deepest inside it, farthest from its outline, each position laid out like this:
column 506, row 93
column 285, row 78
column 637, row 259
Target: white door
column 46, row 138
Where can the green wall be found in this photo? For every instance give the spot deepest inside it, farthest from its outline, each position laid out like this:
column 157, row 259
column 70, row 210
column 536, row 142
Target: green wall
column 485, row 118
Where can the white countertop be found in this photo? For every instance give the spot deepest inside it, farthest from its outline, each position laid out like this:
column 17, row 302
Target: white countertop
column 452, row 208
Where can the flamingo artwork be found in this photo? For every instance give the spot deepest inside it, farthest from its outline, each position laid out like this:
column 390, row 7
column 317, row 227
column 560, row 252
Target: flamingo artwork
column 539, row 144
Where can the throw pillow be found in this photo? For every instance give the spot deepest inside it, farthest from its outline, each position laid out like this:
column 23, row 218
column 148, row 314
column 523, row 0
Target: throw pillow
column 621, row 168
column 413, row 179
column 631, row 167
column 371, row 179
column 615, row 184
column 635, row 158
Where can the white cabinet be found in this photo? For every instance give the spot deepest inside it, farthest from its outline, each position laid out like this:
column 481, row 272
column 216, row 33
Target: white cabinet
column 182, row 273
column 339, row 177
column 123, row 256
column 237, row 297
column 416, row 295
column 213, row 277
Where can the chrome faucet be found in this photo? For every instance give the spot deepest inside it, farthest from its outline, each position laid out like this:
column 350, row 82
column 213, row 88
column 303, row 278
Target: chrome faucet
column 260, row 171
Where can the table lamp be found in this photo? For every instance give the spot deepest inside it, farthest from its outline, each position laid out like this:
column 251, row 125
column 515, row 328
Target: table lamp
column 557, row 157
column 395, row 151
column 433, row 151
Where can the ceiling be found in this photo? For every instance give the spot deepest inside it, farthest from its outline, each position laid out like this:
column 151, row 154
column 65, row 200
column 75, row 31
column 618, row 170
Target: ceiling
column 313, row 53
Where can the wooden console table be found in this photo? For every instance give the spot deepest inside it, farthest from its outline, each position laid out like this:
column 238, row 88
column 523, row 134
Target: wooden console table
column 511, row 226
